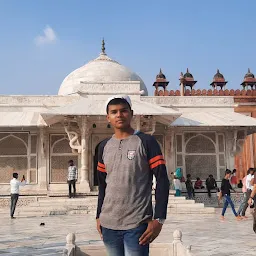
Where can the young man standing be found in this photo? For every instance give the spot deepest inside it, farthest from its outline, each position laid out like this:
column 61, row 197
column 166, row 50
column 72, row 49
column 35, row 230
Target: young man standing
column 225, row 192
column 15, row 187
column 72, row 178
column 127, row 162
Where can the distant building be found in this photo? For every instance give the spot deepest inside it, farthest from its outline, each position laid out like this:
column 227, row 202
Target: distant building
column 198, row 130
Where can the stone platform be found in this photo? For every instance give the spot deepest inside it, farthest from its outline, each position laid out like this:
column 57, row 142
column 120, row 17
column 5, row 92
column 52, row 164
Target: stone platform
column 205, row 232
column 47, row 206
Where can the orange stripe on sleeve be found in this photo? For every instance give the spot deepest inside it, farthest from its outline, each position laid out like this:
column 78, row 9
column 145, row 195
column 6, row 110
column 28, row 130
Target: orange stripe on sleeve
column 101, row 169
column 153, row 159
column 101, row 165
column 157, row 163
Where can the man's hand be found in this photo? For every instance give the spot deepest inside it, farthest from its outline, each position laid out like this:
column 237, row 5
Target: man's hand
column 151, row 233
column 99, row 228
column 250, row 201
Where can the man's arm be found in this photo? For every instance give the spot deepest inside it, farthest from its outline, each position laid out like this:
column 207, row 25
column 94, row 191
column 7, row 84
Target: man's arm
column 102, row 174
column 23, row 182
column 231, row 188
column 253, row 193
column 157, row 165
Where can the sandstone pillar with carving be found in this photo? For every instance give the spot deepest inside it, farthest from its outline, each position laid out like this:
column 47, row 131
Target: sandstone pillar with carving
column 85, row 136
column 43, row 159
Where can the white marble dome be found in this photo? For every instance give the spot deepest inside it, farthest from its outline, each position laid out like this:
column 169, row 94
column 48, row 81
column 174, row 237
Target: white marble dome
column 102, row 69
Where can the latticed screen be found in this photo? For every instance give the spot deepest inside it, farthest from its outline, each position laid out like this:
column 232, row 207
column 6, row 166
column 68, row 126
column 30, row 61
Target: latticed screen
column 204, row 154
column 9, row 165
column 61, row 153
column 15, row 156
column 13, row 146
column 200, row 144
column 201, row 166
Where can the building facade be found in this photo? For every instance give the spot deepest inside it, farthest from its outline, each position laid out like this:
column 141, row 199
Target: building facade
column 199, row 131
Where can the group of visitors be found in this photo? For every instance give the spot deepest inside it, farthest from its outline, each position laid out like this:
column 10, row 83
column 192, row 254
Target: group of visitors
column 247, row 189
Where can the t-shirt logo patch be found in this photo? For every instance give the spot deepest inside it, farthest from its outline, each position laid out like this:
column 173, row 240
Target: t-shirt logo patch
column 131, row 154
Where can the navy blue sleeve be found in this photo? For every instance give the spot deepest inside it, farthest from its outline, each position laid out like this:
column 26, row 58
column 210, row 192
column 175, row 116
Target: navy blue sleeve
column 157, row 165
column 102, row 174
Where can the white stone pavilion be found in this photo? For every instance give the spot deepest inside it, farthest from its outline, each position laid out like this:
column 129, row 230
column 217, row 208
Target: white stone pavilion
column 39, row 134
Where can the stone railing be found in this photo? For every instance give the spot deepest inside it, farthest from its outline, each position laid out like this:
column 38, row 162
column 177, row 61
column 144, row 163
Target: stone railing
column 205, row 92
column 175, row 248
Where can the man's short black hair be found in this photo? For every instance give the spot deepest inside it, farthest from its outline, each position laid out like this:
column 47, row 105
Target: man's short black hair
column 118, row 101
column 227, row 172
column 211, row 176
column 251, row 170
column 188, row 176
column 15, row 175
column 70, row 161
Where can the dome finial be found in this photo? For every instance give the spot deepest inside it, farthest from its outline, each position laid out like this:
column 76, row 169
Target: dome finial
column 249, row 71
column 103, row 47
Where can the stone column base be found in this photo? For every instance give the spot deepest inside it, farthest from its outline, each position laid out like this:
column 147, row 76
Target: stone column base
column 84, row 187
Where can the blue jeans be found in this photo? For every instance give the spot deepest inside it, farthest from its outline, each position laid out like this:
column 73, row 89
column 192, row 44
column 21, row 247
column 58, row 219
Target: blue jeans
column 242, row 204
column 227, row 202
column 125, row 242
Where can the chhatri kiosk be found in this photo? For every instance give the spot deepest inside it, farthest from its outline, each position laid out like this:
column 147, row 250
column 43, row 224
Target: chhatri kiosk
column 202, row 134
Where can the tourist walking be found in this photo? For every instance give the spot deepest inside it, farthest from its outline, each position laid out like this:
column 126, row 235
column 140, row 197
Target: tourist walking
column 225, row 193
column 249, row 187
column 251, row 201
column 72, row 178
column 189, row 187
column 244, row 190
column 211, row 184
column 15, row 189
column 127, row 162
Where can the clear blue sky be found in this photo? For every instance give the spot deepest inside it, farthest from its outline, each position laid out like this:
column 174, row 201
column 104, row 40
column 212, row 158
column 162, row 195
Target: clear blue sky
column 143, row 35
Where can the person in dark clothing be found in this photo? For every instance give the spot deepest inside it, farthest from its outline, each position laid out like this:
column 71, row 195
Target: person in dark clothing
column 225, row 193
column 211, row 184
column 189, row 187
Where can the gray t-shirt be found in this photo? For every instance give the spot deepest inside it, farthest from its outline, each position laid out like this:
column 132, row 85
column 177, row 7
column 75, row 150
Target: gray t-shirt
column 125, row 171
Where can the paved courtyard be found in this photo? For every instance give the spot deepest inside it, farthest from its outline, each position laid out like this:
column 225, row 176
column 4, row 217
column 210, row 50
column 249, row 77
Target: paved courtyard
column 206, row 233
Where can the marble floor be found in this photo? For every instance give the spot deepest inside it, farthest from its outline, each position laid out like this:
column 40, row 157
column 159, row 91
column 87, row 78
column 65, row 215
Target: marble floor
column 206, row 233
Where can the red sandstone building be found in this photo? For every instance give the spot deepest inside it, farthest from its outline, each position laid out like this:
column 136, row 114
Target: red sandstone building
column 245, row 99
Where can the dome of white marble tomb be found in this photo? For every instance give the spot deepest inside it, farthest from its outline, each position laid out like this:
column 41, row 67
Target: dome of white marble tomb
column 100, row 70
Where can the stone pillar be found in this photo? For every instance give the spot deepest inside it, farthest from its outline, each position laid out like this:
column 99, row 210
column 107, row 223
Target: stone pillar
column 43, row 157
column 85, row 135
column 230, row 153
column 169, row 151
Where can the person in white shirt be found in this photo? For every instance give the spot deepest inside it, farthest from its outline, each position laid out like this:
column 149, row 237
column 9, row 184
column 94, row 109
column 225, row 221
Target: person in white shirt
column 15, row 187
column 249, row 187
column 177, row 186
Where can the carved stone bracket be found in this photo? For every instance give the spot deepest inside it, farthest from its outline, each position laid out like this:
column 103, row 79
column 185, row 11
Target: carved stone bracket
column 73, row 137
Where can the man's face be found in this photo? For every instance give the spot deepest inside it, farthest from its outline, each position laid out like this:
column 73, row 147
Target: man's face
column 119, row 116
column 71, row 163
column 229, row 175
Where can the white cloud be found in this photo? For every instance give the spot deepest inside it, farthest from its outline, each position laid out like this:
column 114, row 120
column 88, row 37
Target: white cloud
column 48, row 37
